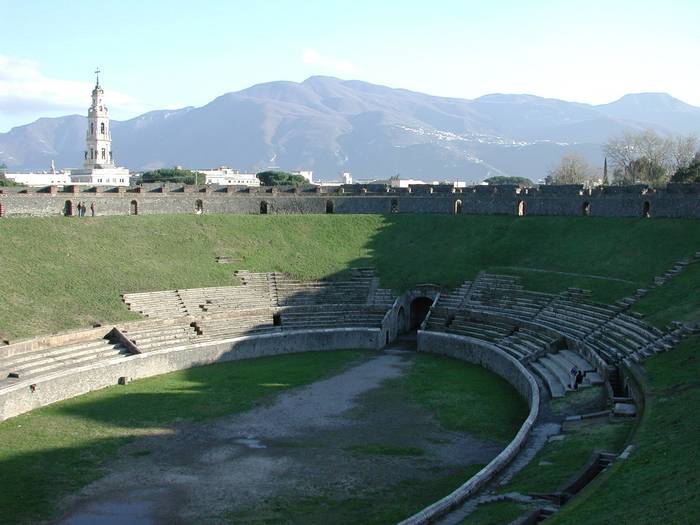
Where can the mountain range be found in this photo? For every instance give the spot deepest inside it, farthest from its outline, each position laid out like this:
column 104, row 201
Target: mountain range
column 329, row 125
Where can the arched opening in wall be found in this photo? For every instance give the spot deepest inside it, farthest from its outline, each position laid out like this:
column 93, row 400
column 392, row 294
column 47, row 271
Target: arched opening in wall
column 401, row 321
column 521, row 209
column 198, row 207
column 134, row 208
column 586, row 209
column 458, row 207
column 330, row 207
column 276, row 320
column 646, row 210
column 420, row 307
column 263, row 207
column 394, row 205
column 68, row 209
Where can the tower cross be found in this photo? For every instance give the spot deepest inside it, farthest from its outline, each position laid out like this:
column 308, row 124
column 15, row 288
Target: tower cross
column 97, row 74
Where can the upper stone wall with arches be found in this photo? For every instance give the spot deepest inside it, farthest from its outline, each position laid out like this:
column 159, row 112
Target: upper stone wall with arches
column 676, row 200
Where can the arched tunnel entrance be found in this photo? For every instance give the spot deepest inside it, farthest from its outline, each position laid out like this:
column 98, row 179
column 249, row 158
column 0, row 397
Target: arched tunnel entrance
column 420, row 306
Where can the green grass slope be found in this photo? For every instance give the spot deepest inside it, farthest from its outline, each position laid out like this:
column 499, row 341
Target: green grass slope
column 659, row 482
column 62, row 273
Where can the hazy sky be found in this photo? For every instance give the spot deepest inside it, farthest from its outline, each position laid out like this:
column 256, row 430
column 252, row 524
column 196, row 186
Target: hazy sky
column 167, row 54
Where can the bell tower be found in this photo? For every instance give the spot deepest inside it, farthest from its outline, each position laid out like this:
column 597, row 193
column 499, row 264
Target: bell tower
column 98, row 152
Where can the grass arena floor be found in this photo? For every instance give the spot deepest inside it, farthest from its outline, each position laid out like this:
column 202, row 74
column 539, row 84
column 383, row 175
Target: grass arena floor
column 395, row 442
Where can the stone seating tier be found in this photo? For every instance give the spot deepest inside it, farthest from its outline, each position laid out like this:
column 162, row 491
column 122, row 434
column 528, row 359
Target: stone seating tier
column 37, row 362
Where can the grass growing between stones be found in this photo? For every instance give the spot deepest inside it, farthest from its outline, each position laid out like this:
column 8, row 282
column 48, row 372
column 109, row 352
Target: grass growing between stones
column 53, row 451
column 62, row 273
column 659, row 481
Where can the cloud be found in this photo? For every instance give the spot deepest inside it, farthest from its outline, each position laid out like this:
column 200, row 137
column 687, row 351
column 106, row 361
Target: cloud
column 312, row 57
column 25, row 89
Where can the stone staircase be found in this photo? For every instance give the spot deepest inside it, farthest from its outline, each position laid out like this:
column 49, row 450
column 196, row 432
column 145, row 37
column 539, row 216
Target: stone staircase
column 34, row 363
column 555, row 371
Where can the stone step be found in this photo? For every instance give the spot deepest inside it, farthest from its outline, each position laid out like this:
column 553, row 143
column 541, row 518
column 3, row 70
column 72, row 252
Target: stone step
column 40, row 356
column 553, row 384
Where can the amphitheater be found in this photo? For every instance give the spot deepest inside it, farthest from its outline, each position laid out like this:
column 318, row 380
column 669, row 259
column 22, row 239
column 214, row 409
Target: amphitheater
column 502, row 321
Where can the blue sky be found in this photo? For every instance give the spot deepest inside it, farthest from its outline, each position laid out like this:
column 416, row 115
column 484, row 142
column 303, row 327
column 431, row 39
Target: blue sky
column 167, row 54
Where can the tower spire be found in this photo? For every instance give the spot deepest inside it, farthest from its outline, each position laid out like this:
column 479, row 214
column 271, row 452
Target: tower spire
column 97, row 77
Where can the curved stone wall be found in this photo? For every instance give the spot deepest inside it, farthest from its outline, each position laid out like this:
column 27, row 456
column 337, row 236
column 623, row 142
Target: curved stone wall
column 496, row 360
column 32, row 393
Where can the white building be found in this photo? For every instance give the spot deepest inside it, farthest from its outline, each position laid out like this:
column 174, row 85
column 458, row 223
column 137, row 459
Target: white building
column 345, row 178
column 229, row 177
column 43, row 178
column 99, row 168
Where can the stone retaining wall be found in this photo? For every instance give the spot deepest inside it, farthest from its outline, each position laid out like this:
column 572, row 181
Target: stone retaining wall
column 33, row 393
column 497, row 361
column 680, row 200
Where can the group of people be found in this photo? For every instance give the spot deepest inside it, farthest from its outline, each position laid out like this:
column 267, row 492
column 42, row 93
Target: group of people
column 576, row 377
column 82, row 209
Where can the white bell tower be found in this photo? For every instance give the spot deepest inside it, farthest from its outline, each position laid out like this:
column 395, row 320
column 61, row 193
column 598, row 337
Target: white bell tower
column 98, row 153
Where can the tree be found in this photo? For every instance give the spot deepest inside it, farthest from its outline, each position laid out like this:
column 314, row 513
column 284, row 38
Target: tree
column 501, row 179
column 690, row 173
column 4, row 181
column 684, row 151
column 174, row 175
column 606, row 181
column 572, row 169
column 281, row 178
column 647, row 171
column 647, row 157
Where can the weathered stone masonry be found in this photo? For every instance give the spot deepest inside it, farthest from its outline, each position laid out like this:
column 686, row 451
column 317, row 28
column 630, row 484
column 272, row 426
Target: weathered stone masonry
column 676, row 200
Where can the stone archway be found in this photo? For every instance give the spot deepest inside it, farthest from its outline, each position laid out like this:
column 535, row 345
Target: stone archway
column 68, row 208
column 586, row 209
column 420, row 306
column 458, row 207
column 199, row 207
column 134, row 208
column 263, row 207
column 401, row 321
column 646, row 210
column 521, row 208
column 330, row 208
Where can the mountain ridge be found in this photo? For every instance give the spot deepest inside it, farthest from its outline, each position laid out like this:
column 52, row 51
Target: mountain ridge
column 329, row 125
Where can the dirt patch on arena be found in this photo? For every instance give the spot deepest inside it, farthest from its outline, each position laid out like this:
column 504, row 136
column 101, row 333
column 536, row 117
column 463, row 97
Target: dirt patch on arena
column 347, row 434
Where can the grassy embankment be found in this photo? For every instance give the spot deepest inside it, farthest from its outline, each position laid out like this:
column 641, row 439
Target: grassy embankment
column 62, row 273
column 659, row 481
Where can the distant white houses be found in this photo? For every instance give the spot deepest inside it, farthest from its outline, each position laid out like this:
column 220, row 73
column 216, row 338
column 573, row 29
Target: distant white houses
column 345, row 178
column 43, row 178
column 225, row 176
